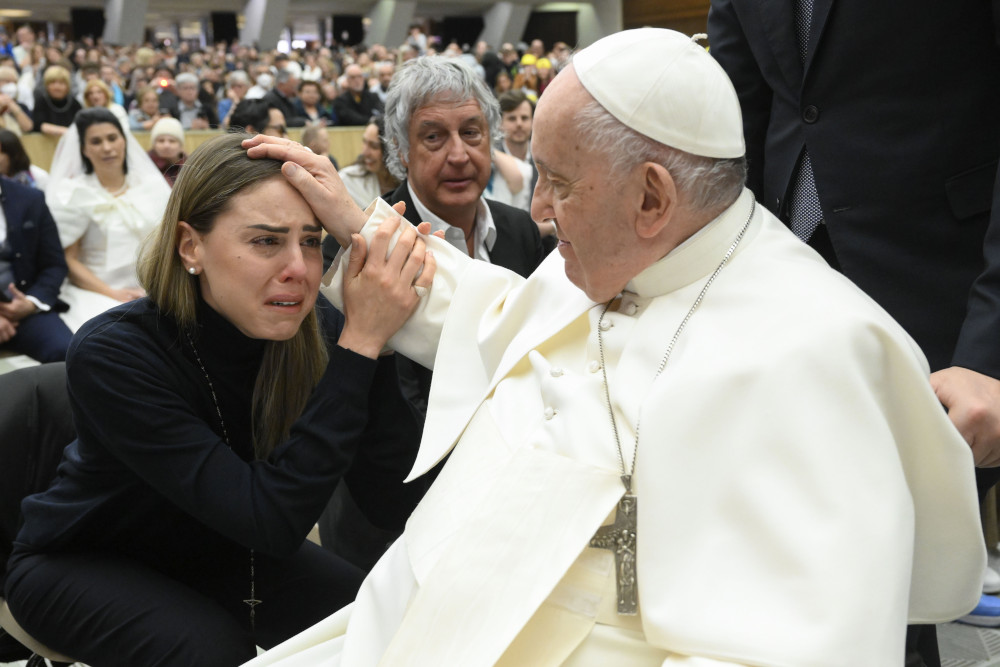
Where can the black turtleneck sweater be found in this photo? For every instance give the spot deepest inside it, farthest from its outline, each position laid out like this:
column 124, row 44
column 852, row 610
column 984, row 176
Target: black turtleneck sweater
column 150, row 474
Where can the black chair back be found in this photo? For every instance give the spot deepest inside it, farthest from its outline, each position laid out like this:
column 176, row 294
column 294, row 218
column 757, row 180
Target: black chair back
column 36, row 424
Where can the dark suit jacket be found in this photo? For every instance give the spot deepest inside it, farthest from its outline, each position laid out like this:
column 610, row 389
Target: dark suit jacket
column 898, row 103
column 518, row 247
column 350, row 112
column 39, row 263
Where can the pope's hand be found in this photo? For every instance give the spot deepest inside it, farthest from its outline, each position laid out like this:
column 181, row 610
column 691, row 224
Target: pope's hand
column 316, row 179
column 381, row 292
column 973, row 403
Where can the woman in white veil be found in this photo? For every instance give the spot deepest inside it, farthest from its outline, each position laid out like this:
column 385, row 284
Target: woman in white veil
column 106, row 196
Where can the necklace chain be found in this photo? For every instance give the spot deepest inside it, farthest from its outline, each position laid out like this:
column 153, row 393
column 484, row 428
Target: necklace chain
column 252, row 602
column 628, row 472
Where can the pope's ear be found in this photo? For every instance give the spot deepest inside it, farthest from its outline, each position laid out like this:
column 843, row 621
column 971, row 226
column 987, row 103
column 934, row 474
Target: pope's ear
column 188, row 244
column 659, row 200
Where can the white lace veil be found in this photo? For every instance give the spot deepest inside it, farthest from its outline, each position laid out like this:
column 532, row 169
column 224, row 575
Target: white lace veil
column 65, row 194
column 68, row 163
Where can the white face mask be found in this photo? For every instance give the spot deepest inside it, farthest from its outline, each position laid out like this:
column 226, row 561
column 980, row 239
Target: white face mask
column 9, row 89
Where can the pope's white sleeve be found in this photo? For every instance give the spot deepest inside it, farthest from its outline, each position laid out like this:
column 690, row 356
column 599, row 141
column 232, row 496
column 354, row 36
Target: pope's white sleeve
column 418, row 338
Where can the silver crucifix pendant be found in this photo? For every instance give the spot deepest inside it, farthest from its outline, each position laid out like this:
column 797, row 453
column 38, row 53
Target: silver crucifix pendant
column 619, row 537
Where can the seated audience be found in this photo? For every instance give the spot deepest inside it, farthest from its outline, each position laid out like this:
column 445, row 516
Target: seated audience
column 106, row 196
column 214, row 419
column 16, row 165
column 167, row 152
column 55, row 108
column 32, row 267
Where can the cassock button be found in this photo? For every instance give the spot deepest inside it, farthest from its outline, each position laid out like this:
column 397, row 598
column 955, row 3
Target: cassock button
column 607, row 324
column 549, row 413
column 555, row 372
column 594, row 366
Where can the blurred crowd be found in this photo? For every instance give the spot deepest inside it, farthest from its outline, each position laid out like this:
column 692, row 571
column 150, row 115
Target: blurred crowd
column 44, row 83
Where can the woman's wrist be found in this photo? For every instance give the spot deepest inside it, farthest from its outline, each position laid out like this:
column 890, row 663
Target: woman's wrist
column 363, row 345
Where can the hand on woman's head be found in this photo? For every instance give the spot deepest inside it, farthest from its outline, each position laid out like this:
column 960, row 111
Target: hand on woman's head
column 316, row 179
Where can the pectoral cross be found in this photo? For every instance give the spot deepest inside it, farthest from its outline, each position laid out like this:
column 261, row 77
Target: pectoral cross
column 619, row 537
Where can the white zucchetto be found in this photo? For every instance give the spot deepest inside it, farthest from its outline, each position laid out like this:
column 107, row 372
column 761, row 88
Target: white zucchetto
column 664, row 85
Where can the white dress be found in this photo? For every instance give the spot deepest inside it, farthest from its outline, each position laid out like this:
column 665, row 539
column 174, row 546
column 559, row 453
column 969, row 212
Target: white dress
column 110, row 229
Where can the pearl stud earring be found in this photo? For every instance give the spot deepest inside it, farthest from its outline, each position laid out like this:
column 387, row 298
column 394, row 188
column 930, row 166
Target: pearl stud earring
column 192, row 271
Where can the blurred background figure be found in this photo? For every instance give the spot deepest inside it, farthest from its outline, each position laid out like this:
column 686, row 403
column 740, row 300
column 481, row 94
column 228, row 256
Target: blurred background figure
column 257, row 117
column 503, row 83
column 312, row 105
column 368, row 177
column 96, row 93
column 106, row 196
column 12, row 116
column 167, row 151
column 55, row 108
column 237, row 87
column 147, row 110
column 16, row 165
column 315, row 138
column 356, row 104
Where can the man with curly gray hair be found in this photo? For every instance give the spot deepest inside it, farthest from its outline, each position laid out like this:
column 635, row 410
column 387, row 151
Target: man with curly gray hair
column 441, row 122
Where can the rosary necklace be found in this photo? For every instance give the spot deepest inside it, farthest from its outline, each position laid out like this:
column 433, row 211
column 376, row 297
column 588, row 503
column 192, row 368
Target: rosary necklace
column 252, row 602
column 620, row 537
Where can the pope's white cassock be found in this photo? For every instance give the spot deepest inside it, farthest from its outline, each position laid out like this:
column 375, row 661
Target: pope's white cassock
column 801, row 492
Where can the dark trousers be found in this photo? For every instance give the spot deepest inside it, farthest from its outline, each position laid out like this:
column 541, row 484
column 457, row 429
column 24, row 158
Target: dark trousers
column 107, row 609
column 42, row 336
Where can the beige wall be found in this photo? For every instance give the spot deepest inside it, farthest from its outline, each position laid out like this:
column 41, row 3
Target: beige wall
column 345, row 143
column 687, row 16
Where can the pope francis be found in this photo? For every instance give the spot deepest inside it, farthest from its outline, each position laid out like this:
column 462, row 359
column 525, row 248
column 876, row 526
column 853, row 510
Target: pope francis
column 683, row 441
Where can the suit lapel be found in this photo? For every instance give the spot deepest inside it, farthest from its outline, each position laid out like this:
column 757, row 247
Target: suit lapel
column 821, row 11
column 778, row 20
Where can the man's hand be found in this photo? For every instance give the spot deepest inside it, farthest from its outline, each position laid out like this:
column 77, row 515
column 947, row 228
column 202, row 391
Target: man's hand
column 317, row 181
column 8, row 329
column 973, row 403
column 18, row 308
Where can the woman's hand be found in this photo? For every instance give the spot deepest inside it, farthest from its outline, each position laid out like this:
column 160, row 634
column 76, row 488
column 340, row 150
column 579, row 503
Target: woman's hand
column 316, row 179
column 380, row 293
